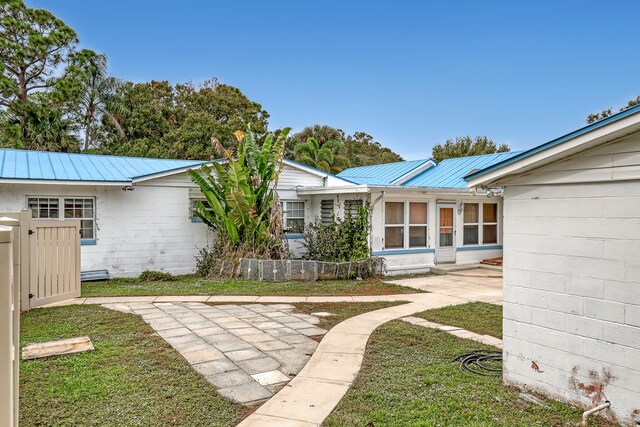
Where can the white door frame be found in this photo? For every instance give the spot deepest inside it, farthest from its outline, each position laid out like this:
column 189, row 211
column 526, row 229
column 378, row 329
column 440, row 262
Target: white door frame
column 446, row 254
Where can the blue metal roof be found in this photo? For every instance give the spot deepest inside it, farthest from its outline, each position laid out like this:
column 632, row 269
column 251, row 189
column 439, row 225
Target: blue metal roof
column 385, row 174
column 50, row 166
column 553, row 143
column 450, row 173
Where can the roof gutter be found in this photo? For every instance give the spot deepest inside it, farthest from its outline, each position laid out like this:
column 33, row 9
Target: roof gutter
column 64, row 182
column 364, row 188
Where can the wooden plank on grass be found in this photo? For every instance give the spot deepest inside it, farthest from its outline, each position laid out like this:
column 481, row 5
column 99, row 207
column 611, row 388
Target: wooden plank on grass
column 57, row 348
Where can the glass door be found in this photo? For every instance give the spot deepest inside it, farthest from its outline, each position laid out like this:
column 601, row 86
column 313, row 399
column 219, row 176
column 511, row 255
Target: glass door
column 445, row 248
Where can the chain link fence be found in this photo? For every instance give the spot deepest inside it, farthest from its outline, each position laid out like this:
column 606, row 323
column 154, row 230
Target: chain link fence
column 285, row 270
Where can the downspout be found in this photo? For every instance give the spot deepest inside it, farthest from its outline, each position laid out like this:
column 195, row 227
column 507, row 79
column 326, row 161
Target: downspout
column 585, row 414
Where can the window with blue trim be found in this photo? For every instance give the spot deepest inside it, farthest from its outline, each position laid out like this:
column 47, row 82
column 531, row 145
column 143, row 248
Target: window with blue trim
column 65, row 208
column 293, row 216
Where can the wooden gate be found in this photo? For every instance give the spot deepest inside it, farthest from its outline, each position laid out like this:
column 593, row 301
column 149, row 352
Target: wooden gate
column 55, row 257
column 49, row 260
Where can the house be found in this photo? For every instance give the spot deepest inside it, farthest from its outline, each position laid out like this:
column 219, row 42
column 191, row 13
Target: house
column 136, row 213
column 422, row 213
column 572, row 265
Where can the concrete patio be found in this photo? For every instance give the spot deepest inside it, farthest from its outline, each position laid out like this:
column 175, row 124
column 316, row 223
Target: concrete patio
column 474, row 284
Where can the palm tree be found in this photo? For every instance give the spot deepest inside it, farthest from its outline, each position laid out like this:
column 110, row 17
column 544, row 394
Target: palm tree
column 321, row 133
column 325, row 157
column 99, row 99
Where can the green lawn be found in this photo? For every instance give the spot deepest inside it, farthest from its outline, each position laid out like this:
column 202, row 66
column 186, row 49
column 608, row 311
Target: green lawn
column 191, row 285
column 479, row 317
column 407, row 380
column 132, row 378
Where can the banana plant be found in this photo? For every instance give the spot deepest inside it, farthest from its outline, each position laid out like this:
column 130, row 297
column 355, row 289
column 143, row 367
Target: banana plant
column 240, row 191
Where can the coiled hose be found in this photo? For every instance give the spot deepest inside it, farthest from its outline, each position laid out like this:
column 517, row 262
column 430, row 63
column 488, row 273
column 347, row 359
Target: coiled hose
column 487, row 363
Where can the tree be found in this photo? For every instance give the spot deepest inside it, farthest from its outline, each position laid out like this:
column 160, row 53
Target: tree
column 358, row 149
column 361, row 150
column 592, row 118
column 243, row 207
column 321, row 133
column 467, row 146
column 326, row 157
column 41, row 126
column 40, row 77
column 99, row 99
column 33, row 45
column 162, row 120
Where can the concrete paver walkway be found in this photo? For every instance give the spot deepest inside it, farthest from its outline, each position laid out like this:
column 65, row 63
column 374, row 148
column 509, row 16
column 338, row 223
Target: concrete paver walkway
column 247, row 352
column 454, row 330
column 231, row 298
column 311, row 396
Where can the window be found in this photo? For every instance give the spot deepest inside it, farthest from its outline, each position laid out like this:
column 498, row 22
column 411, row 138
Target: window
column 192, row 209
column 417, row 224
column 480, row 223
column 326, row 211
column 471, row 221
column 294, row 217
column 393, row 225
column 43, row 207
column 351, row 207
column 489, row 223
column 82, row 208
column 405, row 219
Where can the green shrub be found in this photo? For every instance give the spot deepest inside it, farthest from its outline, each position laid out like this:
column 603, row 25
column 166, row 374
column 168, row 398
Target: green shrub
column 156, row 276
column 344, row 239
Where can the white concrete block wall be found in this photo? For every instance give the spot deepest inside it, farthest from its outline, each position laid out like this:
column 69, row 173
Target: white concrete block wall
column 572, row 292
column 149, row 228
column 145, row 229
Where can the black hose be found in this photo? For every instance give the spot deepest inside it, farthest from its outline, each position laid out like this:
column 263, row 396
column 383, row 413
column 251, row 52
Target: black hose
column 477, row 362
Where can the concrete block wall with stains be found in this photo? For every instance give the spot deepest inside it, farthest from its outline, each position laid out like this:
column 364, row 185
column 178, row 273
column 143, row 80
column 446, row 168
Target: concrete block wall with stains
column 572, row 292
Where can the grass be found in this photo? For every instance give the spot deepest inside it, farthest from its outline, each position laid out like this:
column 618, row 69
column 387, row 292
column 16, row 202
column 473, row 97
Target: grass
column 407, row 380
column 479, row 317
column 132, row 378
column 342, row 310
column 191, row 285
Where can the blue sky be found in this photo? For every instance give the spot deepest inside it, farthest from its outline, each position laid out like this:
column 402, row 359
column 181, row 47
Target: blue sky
column 410, row 73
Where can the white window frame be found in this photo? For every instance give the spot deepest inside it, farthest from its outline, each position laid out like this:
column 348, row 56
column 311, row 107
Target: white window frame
column 61, row 212
column 496, row 223
column 481, row 223
column 286, row 216
column 406, row 225
column 409, row 225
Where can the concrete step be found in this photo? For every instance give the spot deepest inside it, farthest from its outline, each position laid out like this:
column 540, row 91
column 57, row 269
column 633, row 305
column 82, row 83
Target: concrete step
column 468, row 270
